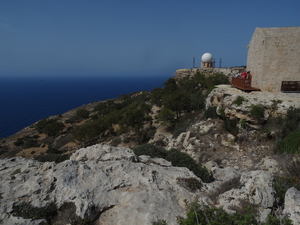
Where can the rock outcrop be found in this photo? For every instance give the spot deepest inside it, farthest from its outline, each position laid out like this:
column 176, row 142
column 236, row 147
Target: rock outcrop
column 275, row 104
column 292, row 205
column 106, row 184
column 187, row 73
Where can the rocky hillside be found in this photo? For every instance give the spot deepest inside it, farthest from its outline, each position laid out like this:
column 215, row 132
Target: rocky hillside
column 111, row 185
column 249, row 142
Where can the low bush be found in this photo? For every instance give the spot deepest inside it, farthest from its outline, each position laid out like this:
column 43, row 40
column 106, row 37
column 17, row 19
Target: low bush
column 211, row 112
column 151, row 150
column 27, row 141
column 57, row 158
column 19, row 142
column 282, row 184
column 239, row 100
column 290, row 144
column 257, row 111
column 51, row 127
column 230, row 125
column 53, row 151
column 202, row 214
column 177, row 158
column 293, row 169
column 82, row 113
column 291, row 121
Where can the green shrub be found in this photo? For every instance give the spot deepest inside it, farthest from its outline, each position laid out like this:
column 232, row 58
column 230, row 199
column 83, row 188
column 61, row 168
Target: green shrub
column 19, row 142
column 257, row 111
column 145, row 135
column 51, row 127
column 291, row 121
column 239, row 100
column 290, row 144
column 211, row 112
column 151, row 150
column 57, row 158
column 181, row 159
column 282, row 184
column 231, row 125
column 177, row 158
column 31, row 143
column 53, row 151
column 202, row 214
column 82, row 113
column 166, row 117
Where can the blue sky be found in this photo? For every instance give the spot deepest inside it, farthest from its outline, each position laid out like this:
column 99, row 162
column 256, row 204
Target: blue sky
column 130, row 38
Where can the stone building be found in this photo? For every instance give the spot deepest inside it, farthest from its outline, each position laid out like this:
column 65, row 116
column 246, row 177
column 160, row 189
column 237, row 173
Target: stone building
column 274, row 56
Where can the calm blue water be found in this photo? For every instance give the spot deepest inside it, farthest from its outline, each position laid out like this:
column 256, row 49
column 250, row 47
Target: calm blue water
column 26, row 100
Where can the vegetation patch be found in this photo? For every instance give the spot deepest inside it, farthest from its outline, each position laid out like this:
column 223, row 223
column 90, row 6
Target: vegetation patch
column 230, row 125
column 211, row 112
column 27, row 211
column 57, row 158
column 257, row 111
column 239, row 100
column 51, row 127
column 177, row 158
column 291, row 121
column 201, row 214
column 27, row 141
column 282, row 184
column 290, row 144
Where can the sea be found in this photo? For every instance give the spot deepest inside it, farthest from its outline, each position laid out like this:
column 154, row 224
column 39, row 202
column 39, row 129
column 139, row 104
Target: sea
column 26, row 100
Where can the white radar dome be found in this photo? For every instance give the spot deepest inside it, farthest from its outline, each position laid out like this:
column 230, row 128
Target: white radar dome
column 207, row 57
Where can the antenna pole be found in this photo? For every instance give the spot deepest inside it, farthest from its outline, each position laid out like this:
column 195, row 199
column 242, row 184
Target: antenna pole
column 194, row 62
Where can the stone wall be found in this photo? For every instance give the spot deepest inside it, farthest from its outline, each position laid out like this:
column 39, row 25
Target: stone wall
column 273, row 57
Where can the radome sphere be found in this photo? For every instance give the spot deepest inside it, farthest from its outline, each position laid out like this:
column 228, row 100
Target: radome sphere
column 207, row 57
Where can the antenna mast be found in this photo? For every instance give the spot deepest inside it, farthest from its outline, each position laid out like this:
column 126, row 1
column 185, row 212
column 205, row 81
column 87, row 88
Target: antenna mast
column 194, row 62
column 220, row 63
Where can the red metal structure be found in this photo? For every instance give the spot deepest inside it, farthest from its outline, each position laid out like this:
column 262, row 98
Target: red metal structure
column 243, row 84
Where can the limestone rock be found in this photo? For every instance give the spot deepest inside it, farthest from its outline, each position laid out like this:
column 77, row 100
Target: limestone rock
column 104, row 183
column 292, row 205
column 256, row 187
column 275, row 104
column 270, row 165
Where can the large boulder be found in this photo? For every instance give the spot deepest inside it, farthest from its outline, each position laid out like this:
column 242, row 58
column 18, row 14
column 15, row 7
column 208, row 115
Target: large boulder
column 103, row 183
